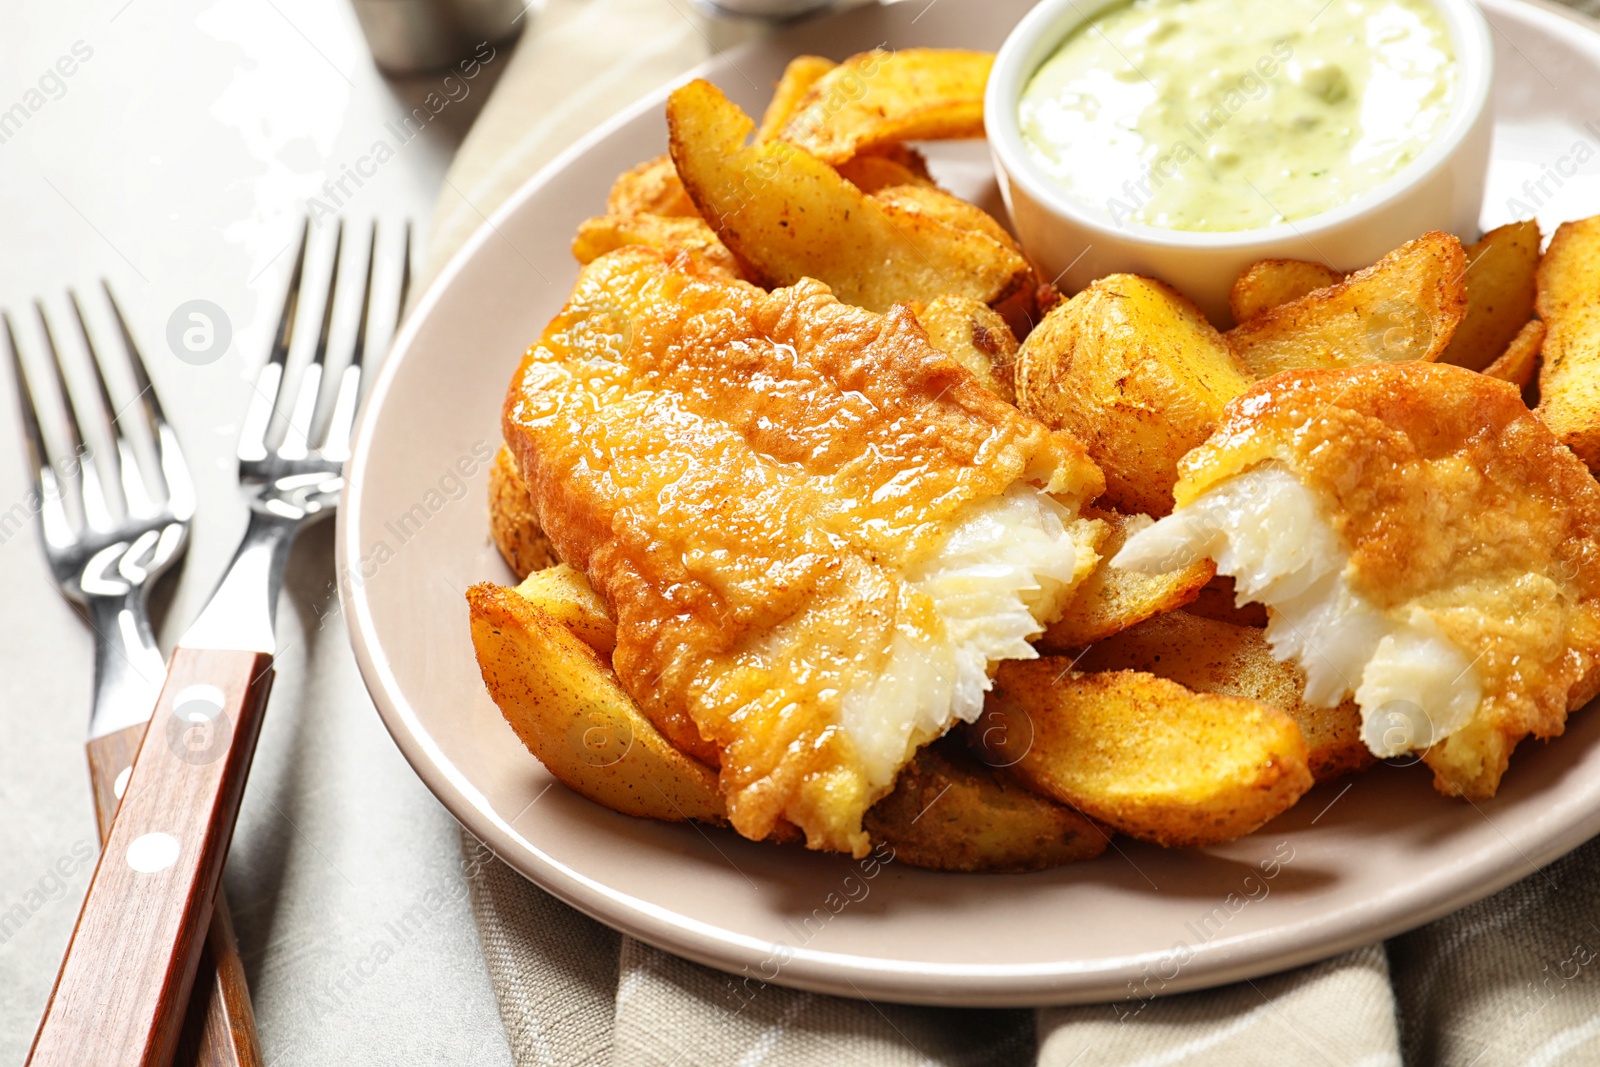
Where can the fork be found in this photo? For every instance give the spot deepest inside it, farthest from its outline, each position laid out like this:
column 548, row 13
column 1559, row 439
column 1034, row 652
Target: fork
column 107, row 564
column 119, row 996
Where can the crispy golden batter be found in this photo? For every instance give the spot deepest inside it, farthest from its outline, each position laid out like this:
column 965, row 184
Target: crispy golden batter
column 1456, row 502
column 746, row 479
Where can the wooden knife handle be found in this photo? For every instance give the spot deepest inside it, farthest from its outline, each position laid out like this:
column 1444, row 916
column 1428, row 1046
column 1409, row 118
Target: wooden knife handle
column 219, row 1028
column 120, row 996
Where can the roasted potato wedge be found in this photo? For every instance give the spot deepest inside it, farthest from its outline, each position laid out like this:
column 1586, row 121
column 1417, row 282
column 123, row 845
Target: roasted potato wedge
column 1216, row 657
column 1404, row 307
column 801, row 73
column 949, row 812
column 1142, row 754
column 787, row 215
column 1500, row 294
column 607, row 233
column 975, row 336
column 1272, row 282
column 928, row 200
column 512, row 521
column 1136, row 373
column 873, row 172
column 881, row 98
column 1219, row 600
column 1569, row 303
column 1112, row 599
column 566, row 596
column 651, row 188
column 1520, row 360
column 565, row 704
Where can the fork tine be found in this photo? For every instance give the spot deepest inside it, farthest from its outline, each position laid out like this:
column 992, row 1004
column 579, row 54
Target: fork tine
column 53, row 517
column 135, row 494
column 295, row 442
column 405, row 277
column 336, row 442
column 269, row 383
column 177, row 485
column 96, row 515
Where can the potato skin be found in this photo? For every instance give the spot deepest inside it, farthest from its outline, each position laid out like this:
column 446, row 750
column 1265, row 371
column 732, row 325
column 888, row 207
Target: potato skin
column 1405, row 307
column 1111, row 599
column 512, row 521
column 1569, row 303
column 949, row 812
column 1270, row 283
column 1501, row 289
column 1520, row 361
column 607, row 233
column 787, row 215
column 975, row 336
column 564, row 702
column 651, row 188
column 1142, row 754
column 1135, row 372
column 877, row 99
column 1211, row 656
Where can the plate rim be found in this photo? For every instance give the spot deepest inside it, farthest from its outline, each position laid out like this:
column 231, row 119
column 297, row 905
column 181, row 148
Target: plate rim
column 840, row 973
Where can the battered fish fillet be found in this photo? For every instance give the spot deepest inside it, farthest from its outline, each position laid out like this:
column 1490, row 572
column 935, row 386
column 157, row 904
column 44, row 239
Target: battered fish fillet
column 816, row 532
column 1420, row 539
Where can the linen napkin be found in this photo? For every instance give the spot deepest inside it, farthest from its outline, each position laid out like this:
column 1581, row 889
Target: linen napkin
column 1512, row 979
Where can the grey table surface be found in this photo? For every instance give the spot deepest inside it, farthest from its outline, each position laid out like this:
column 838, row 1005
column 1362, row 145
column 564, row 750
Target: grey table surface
column 175, row 161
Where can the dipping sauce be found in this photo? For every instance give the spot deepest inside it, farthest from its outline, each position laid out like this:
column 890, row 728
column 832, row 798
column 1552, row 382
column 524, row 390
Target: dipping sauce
column 1238, row 114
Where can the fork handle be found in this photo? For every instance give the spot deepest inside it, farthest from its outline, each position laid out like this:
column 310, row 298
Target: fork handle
column 219, row 1027
column 120, row 996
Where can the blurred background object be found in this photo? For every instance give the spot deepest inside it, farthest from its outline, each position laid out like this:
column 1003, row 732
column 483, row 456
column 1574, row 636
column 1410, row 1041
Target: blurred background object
column 408, row 36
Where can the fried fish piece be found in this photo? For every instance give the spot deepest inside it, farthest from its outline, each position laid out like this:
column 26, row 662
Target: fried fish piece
column 815, row 531
column 1420, row 539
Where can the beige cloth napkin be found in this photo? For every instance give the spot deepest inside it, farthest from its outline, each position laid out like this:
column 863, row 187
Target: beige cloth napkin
column 1512, row 979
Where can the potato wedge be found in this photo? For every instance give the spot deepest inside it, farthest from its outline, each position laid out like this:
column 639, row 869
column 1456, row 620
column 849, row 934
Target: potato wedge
column 1569, row 304
column 949, row 812
column 1500, row 294
column 1142, row 754
column 1272, row 282
column 607, row 233
column 512, row 521
column 932, row 202
column 1219, row 600
column 872, row 172
column 651, row 188
column 564, row 703
column 801, row 73
column 1520, row 360
column 1135, row 372
column 566, row 596
column 786, row 215
column 975, row 336
column 1404, row 307
column 1215, row 657
column 879, row 98
column 1112, row 599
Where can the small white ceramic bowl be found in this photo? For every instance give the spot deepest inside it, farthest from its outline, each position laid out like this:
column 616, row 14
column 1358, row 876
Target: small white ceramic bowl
column 1441, row 190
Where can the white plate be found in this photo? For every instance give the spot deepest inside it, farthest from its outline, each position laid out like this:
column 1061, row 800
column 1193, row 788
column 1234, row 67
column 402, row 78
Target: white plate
column 1358, row 860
